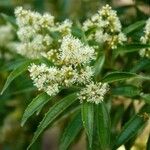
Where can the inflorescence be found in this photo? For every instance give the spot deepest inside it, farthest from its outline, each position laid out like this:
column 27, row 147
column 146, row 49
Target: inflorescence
column 105, row 28
column 72, row 66
column 34, row 32
column 72, row 59
column 96, row 90
column 146, row 40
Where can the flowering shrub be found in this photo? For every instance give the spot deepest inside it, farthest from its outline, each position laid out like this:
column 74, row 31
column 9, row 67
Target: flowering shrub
column 85, row 67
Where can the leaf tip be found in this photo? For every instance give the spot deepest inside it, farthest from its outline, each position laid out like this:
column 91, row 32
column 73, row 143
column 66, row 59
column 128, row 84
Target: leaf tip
column 28, row 147
column 1, row 93
column 3, row 89
column 22, row 123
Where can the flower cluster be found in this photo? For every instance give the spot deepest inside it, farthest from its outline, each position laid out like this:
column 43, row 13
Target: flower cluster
column 73, row 51
column 34, row 32
column 45, row 78
column 64, row 28
column 105, row 27
column 94, row 92
column 70, row 57
column 146, row 40
column 71, row 66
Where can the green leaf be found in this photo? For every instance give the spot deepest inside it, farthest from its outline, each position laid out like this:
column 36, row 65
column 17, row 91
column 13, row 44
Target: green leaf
column 95, row 142
column 76, row 31
column 6, row 3
column 64, row 7
column 53, row 113
column 130, row 48
column 128, row 113
column 71, row 131
column 99, row 64
column 9, row 19
column 142, row 64
column 130, row 129
column 103, row 126
column 87, row 111
column 15, row 73
column 134, row 27
column 126, row 90
column 118, row 76
column 39, row 5
column 36, row 104
column 12, row 65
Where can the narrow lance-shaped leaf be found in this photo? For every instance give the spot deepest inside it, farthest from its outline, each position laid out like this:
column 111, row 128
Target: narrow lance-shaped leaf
column 36, row 104
column 15, row 73
column 99, row 64
column 71, row 131
column 87, row 110
column 130, row 48
column 103, row 126
column 9, row 19
column 12, row 65
column 134, row 27
column 130, row 129
column 95, row 142
column 53, row 113
column 118, row 76
column 126, row 90
column 142, row 64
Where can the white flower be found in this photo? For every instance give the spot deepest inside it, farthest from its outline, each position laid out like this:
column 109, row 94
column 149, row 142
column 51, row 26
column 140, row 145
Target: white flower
column 69, row 75
column 85, row 75
column 110, row 16
column 73, row 51
column 105, row 27
column 34, row 19
column 93, row 92
column 34, row 48
column 26, row 34
column 101, row 37
column 45, row 78
column 33, row 32
column 121, row 38
column 52, row 55
column 87, row 25
column 64, row 27
column 146, row 40
column 147, row 27
column 106, row 18
column 46, row 21
column 53, row 89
